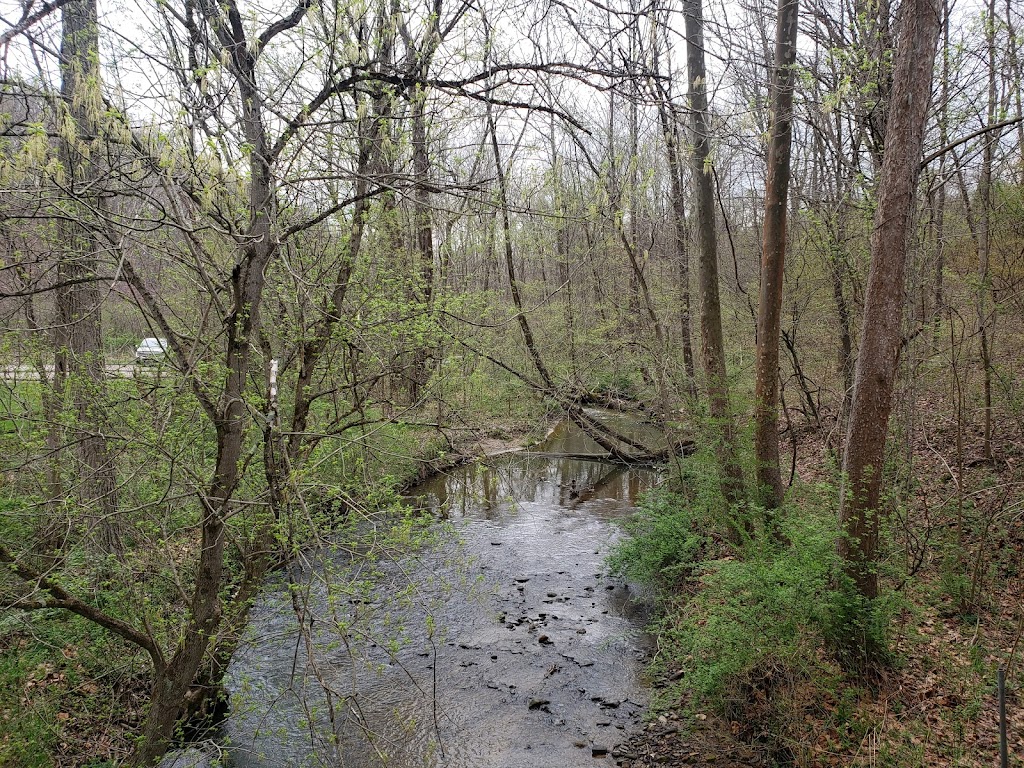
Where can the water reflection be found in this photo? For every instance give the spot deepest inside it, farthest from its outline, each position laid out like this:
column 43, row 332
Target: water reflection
column 532, row 655
column 487, row 490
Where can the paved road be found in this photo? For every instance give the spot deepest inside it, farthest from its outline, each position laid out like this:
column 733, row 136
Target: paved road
column 15, row 373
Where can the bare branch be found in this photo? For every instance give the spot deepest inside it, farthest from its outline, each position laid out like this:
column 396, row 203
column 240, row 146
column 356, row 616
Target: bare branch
column 969, row 137
column 282, row 25
column 29, row 20
column 58, row 597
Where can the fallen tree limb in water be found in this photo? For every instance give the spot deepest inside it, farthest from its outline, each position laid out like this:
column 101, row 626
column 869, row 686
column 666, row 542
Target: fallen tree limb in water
column 657, row 457
column 602, row 434
column 613, row 402
column 608, row 438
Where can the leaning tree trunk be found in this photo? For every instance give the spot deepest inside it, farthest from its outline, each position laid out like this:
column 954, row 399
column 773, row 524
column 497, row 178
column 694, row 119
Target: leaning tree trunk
column 773, row 258
column 173, row 681
column 878, row 360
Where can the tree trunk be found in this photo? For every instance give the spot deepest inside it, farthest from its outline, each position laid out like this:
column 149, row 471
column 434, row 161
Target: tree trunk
column 878, row 360
column 844, row 355
column 682, row 253
column 1017, row 80
column 171, row 682
column 712, row 342
column 773, row 257
column 510, row 268
column 563, row 256
column 423, row 277
column 939, row 208
column 79, row 365
column 985, row 234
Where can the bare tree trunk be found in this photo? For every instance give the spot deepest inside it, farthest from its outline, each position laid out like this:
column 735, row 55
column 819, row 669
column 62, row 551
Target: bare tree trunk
column 773, row 258
column 311, row 350
column 1017, row 73
column 506, row 226
column 939, row 217
column 172, row 681
column 939, row 234
column 682, row 253
column 48, row 535
column 712, row 341
column 79, row 341
column 423, row 221
column 874, row 32
column 423, row 277
column 844, row 357
column 985, row 233
column 670, row 129
column 563, row 256
column 878, row 360
column 632, row 240
column 670, row 135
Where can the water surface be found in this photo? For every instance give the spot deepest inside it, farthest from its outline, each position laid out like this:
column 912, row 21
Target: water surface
column 501, row 646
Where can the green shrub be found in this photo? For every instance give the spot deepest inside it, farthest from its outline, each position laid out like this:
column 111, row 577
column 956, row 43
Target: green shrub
column 675, row 531
column 667, row 538
column 774, row 606
column 756, row 630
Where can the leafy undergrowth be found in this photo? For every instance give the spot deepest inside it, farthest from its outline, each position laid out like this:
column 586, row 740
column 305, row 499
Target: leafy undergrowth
column 745, row 661
column 955, row 561
column 62, row 701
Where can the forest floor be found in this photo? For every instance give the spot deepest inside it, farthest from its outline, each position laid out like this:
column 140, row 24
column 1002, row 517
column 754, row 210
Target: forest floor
column 960, row 617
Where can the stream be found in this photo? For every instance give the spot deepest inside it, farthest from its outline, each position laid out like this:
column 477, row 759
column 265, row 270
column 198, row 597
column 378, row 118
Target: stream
column 500, row 645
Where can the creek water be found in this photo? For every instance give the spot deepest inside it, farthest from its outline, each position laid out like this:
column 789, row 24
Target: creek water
column 500, row 645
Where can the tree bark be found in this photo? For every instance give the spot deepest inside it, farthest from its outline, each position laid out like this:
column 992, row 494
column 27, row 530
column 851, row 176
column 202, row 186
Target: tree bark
column 985, row 234
column 939, row 214
column 773, row 258
column 510, row 268
column 682, row 253
column 422, row 57
column 878, row 360
column 424, row 273
column 172, row 682
column 670, row 134
column 79, row 364
column 563, row 255
column 712, row 341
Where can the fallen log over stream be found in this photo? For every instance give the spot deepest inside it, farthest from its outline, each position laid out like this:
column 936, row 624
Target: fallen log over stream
column 572, row 401
column 655, row 457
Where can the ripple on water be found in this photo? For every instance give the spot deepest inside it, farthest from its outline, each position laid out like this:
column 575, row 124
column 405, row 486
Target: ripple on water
column 533, row 660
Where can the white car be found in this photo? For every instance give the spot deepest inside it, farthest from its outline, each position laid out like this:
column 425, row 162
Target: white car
column 151, row 350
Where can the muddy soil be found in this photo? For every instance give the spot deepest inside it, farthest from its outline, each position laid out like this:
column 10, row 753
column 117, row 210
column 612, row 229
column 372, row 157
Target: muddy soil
column 504, row 645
